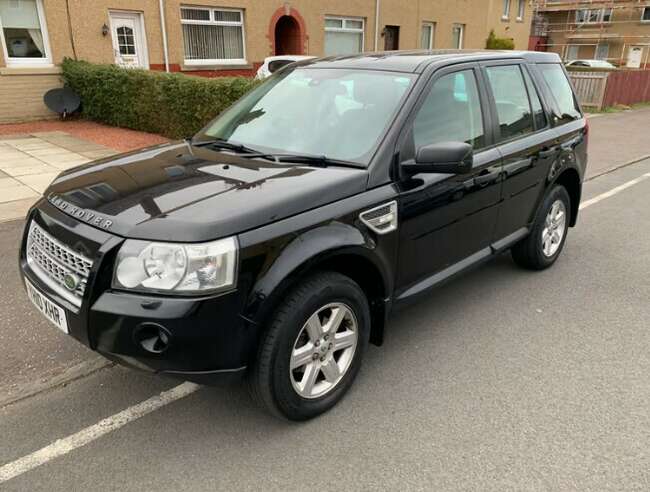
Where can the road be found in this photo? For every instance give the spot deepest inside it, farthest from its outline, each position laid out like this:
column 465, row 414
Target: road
column 502, row 379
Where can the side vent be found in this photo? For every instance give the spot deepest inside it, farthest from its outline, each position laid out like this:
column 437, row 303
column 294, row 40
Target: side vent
column 381, row 219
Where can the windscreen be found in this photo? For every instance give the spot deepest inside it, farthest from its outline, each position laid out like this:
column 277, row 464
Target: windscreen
column 339, row 114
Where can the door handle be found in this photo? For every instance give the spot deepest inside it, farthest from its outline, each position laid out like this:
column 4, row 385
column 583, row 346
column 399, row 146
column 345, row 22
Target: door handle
column 546, row 153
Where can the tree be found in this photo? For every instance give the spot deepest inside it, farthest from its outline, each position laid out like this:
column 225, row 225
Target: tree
column 495, row 43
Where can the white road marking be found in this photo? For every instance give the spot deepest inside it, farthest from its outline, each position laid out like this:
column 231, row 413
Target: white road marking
column 613, row 191
column 89, row 434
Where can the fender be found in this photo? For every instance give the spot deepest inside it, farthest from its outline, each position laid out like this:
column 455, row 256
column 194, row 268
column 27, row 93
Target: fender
column 309, row 249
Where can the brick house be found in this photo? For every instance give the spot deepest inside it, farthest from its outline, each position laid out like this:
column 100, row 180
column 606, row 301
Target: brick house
column 614, row 30
column 225, row 37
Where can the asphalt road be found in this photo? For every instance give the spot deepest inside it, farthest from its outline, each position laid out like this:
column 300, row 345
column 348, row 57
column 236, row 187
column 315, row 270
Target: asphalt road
column 502, row 379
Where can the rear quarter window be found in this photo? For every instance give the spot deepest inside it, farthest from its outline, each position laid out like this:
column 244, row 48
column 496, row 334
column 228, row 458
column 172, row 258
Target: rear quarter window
column 560, row 88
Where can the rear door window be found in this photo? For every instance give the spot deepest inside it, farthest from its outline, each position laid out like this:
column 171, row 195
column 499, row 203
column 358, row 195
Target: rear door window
column 538, row 111
column 561, row 90
column 511, row 99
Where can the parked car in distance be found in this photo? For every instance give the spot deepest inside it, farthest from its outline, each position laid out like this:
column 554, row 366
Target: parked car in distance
column 591, row 64
column 275, row 243
column 274, row 63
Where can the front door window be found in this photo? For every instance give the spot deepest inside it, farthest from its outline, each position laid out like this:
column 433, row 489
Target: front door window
column 128, row 40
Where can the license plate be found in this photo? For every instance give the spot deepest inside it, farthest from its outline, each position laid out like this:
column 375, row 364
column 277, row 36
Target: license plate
column 50, row 310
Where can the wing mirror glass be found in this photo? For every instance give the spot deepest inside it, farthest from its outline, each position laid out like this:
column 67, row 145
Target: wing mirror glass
column 444, row 157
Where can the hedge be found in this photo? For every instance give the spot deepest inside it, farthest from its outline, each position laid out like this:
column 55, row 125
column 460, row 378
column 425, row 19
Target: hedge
column 173, row 105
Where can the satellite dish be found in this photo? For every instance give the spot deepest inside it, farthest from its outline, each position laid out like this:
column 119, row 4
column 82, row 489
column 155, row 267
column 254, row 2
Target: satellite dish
column 63, row 101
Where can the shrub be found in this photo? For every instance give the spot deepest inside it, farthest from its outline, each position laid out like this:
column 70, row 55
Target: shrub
column 494, row 43
column 174, row 105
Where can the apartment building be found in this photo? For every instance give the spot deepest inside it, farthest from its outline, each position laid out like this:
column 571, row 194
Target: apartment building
column 614, row 30
column 225, row 37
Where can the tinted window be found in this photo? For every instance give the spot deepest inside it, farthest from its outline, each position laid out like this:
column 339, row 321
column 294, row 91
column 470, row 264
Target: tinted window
column 511, row 99
column 562, row 92
column 451, row 112
column 538, row 111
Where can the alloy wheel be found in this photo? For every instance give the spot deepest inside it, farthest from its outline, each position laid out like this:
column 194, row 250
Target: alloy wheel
column 324, row 350
column 554, row 228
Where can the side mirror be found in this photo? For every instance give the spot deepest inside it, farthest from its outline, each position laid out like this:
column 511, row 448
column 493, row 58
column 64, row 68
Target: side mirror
column 445, row 157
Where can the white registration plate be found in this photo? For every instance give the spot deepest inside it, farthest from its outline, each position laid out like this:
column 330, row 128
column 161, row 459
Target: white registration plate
column 50, row 310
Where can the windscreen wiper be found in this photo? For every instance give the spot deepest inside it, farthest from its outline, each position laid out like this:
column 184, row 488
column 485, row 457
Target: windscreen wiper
column 311, row 160
column 220, row 143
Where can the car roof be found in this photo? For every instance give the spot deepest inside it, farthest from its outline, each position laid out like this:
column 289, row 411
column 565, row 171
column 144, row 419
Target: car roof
column 288, row 57
column 417, row 61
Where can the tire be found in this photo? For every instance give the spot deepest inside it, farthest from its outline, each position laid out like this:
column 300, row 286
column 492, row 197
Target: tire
column 533, row 252
column 286, row 389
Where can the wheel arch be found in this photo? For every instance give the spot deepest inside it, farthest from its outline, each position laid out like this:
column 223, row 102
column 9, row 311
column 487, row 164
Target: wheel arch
column 570, row 179
column 336, row 247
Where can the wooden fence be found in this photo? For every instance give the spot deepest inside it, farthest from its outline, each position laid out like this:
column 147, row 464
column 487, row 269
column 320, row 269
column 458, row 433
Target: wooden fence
column 603, row 89
column 590, row 87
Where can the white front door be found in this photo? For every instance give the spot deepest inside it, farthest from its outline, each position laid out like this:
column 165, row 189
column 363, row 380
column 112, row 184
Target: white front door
column 129, row 42
column 634, row 57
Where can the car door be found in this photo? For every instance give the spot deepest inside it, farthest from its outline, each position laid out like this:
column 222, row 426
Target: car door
column 526, row 142
column 447, row 219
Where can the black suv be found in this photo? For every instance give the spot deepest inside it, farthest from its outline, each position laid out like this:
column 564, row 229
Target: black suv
column 275, row 242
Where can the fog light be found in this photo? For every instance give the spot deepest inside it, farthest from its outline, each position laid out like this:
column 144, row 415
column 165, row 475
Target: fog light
column 152, row 338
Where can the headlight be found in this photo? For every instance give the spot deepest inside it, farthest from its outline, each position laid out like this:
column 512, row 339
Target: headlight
column 175, row 267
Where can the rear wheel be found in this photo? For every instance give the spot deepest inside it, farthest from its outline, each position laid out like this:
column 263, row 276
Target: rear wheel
column 544, row 244
column 312, row 349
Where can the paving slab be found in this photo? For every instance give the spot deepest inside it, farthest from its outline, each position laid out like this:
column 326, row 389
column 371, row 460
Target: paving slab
column 18, row 209
column 38, row 183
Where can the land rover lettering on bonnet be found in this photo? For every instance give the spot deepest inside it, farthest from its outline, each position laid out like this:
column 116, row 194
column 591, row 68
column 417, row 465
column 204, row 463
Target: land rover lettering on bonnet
column 81, row 214
column 274, row 244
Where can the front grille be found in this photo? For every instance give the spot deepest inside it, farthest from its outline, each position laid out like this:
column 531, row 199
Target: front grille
column 54, row 262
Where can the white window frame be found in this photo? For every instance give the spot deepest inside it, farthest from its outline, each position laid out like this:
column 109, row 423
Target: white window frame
column 344, row 28
column 461, row 38
column 211, row 22
column 647, row 7
column 569, row 47
column 432, row 29
column 505, row 13
column 599, row 19
column 606, row 51
column 30, row 62
column 521, row 10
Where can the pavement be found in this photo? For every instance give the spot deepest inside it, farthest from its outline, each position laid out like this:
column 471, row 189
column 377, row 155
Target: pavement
column 29, row 163
column 501, row 380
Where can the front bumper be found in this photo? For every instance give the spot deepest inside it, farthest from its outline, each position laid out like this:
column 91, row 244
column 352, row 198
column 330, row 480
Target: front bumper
column 203, row 339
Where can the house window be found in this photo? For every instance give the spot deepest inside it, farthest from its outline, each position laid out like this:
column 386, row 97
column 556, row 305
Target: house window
column 593, row 16
column 343, row 35
column 645, row 15
column 457, row 34
column 23, row 32
column 602, row 51
column 428, row 34
column 213, row 36
column 572, row 52
column 506, row 9
column 521, row 10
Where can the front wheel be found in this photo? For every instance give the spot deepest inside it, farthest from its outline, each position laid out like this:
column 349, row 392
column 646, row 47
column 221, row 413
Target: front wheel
column 549, row 231
column 312, row 349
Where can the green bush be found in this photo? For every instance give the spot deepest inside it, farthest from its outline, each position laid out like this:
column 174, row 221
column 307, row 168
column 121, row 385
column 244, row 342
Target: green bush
column 494, row 43
column 174, row 105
